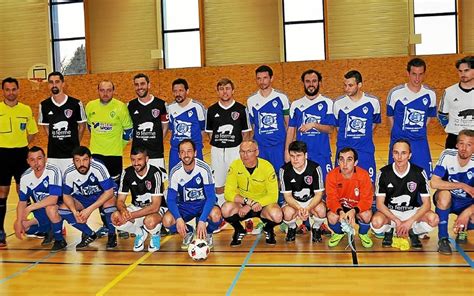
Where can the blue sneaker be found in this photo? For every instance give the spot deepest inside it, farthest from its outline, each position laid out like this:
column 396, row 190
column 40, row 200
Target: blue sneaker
column 154, row 242
column 139, row 243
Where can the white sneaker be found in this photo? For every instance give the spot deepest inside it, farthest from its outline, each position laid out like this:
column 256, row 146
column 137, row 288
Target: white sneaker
column 210, row 241
column 154, row 242
column 258, row 228
column 188, row 238
column 139, row 243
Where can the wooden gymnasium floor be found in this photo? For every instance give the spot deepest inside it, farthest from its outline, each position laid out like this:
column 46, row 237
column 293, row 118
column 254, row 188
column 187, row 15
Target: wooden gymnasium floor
column 254, row 268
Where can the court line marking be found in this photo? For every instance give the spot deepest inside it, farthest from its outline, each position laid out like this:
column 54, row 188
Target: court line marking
column 463, row 254
column 242, row 267
column 127, row 271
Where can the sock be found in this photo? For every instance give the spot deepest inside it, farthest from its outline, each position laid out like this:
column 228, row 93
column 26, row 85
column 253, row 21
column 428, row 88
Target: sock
column 381, row 230
column 69, row 217
column 234, row 220
column 421, row 227
column 291, row 224
column 363, row 227
column 269, row 225
column 33, row 229
column 108, row 218
column 317, row 222
column 129, row 227
column 155, row 230
column 58, row 231
column 44, row 224
column 3, row 212
column 211, row 226
column 336, row 227
column 220, row 199
column 306, row 223
column 443, row 223
column 173, row 229
column 102, row 216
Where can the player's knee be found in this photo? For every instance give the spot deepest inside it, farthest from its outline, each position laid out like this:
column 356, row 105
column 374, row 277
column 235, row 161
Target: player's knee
column 320, row 210
column 365, row 216
column 332, row 218
column 276, row 215
column 168, row 220
column 215, row 215
column 443, row 199
column 288, row 213
column 151, row 221
column 228, row 209
column 432, row 219
column 115, row 218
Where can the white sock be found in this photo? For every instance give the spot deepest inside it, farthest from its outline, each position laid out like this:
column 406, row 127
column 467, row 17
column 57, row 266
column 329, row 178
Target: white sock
column 317, row 222
column 421, row 227
column 291, row 224
column 155, row 230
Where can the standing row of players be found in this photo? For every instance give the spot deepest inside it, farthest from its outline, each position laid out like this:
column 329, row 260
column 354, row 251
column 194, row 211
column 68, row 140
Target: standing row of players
column 312, row 118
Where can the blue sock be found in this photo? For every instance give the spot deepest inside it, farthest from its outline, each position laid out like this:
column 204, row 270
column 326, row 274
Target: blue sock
column 44, row 225
column 108, row 218
column 172, row 228
column 363, row 227
column 58, row 230
column 470, row 226
column 211, row 226
column 336, row 227
column 69, row 217
column 443, row 223
column 33, row 229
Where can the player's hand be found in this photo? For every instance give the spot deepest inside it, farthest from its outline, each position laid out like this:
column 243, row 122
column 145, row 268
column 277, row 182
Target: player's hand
column 84, row 214
column 244, row 210
column 350, row 216
column 117, row 219
column 77, row 215
column 404, row 228
column 19, row 229
column 127, row 215
column 303, row 214
column 307, row 126
column 26, row 213
column 201, row 230
column 469, row 190
column 256, row 207
column 461, row 222
column 181, row 227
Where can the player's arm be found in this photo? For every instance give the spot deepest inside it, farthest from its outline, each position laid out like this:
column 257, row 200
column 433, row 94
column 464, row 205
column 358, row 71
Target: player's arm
column 45, row 128
column 390, row 121
column 332, row 196
column 463, row 219
column 290, row 137
column 69, row 202
column 105, row 196
column 18, row 224
column 328, row 129
column 30, row 138
column 47, row 201
column 291, row 201
column 164, row 128
column 438, row 183
column 153, row 208
column 122, row 207
column 318, row 196
column 81, row 127
column 286, row 118
column 247, row 136
column 382, row 208
column 406, row 225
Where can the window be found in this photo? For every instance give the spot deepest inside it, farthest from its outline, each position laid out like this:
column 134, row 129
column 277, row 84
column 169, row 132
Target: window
column 181, row 33
column 68, row 36
column 304, row 30
column 436, row 21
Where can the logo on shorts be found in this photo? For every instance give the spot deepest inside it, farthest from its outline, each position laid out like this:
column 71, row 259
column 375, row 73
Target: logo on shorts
column 155, row 113
column 148, row 185
column 308, row 180
column 68, row 113
column 356, row 191
column 411, row 186
column 234, row 115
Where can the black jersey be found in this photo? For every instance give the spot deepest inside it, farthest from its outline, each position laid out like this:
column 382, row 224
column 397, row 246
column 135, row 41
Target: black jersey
column 402, row 192
column 148, row 120
column 303, row 184
column 63, row 125
column 227, row 124
column 142, row 188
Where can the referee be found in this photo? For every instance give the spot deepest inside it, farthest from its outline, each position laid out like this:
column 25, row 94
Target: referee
column 17, row 129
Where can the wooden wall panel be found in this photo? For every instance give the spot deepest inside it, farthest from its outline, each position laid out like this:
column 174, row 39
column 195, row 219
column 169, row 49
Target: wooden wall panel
column 466, row 8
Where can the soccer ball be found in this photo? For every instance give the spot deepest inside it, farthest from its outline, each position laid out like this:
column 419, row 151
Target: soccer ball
column 198, row 249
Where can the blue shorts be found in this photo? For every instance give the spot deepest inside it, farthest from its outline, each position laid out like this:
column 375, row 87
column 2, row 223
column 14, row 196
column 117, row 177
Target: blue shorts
column 85, row 201
column 274, row 154
column 323, row 161
column 457, row 204
column 174, row 156
column 420, row 155
column 190, row 212
column 41, row 216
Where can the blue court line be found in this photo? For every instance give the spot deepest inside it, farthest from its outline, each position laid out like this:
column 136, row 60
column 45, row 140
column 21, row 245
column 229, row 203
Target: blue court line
column 463, row 254
column 242, row 267
column 26, row 268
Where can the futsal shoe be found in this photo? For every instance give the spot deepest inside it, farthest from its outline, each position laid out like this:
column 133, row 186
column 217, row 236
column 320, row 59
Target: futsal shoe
column 102, row 231
column 48, row 239
column 316, row 235
column 325, row 230
column 210, row 241
column 86, row 240
column 461, row 238
column 237, row 238
column 366, row 240
column 111, row 241
column 335, row 239
column 414, row 240
column 444, row 247
column 249, row 226
column 387, row 239
column 155, row 242
column 139, row 243
column 270, row 237
column 290, row 235
column 221, row 226
column 187, row 239
column 59, row 245
column 123, row 234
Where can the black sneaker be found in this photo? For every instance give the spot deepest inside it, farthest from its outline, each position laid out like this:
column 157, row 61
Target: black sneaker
column 325, row 230
column 387, row 239
column 291, row 235
column 111, row 241
column 59, row 245
column 164, row 232
column 270, row 237
column 102, row 231
column 444, row 247
column 237, row 238
column 86, row 240
column 48, row 239
column 3, row 239
column 316, row 235
column 415, row 240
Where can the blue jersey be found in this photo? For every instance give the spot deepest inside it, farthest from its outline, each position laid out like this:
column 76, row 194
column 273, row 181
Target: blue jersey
column 410, row 111
column 37, row 189
column 319, row 110
column 186, row 122
column 448, row 169
column 89, row 187
column 268, row 117
column 355, row 120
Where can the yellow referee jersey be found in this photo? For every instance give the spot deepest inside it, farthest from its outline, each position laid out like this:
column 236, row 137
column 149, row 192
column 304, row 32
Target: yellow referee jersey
column 16, row 123
column 261, row 185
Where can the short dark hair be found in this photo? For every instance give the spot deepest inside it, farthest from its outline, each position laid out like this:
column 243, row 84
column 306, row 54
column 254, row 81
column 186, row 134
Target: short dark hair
column 465, row 132
column 137, row 150
column 80, row 151
column 348, row 149
column 469, row 60
column 264, row 68
column 311, row 71
column 416, row 62
column 56, row 73
column 403, row 141
column 10, row 80
column 354, row 74
column 298, row 146
column 34, row 149
column 180, row 81
column 141, row 75
column 187, row 141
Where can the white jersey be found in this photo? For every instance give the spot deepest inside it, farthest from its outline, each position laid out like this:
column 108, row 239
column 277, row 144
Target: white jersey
column 49, row 183
column 459, row 105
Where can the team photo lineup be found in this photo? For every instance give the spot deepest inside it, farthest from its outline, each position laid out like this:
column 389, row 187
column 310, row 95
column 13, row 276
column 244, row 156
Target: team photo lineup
column 270, row 159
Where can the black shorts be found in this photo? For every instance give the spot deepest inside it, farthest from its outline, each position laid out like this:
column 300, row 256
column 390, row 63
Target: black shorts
column 13, row 164
column 112, row 163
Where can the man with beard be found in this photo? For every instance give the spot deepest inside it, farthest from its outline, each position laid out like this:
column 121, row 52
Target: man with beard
column 17, row 129
column 453, row 177
column 187, row 119
column 63, row 119
column 87, row 186
column 312, row 120
column 150, row 120
column 191, row 196
column 456, row 109
column 144, row 215
column 357, row 114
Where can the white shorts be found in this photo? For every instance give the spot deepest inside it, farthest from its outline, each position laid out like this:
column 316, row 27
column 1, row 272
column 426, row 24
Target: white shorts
column 403, row 216
column 61, row 163
column 159, row 163
column 221, row 158
column 302, row 204
column 139, row 221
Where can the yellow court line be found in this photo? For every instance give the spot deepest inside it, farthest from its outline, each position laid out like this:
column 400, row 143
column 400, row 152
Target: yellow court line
column 124, row 273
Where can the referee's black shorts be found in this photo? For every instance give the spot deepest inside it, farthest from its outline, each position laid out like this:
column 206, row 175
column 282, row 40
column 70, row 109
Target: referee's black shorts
column 13, row 164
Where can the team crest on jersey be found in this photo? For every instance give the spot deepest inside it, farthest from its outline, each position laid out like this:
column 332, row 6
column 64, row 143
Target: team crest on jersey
column 155, row 113
column 112, row 114
column 411, row 186
column 68, row 113
column 308, row 180
column 356, row 191
column 234, row 115
column 198, row 180
column 148, row 184
column 425, row 101
column 92, row 178
column 365, row 110
column 45, row 183
column 414, row 117
column 275, row 104
column 190, row 113
column 469, row 175
column 320, row 107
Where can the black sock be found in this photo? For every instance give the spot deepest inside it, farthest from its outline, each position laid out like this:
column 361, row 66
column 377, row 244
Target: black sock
column 235, row 222
column 269, row 225
column 102, row 216
column 3, row 212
